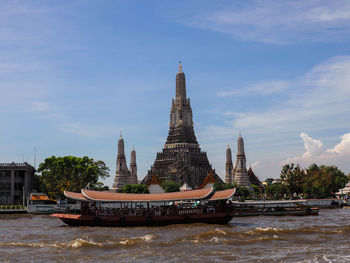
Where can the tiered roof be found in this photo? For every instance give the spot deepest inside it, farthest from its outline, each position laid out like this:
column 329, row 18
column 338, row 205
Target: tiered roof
column 254, row 179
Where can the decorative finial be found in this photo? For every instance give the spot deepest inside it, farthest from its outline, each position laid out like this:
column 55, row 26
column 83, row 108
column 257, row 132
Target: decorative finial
column 228, row 146
column 239, row 135
column 180, row 66
column 120, row 134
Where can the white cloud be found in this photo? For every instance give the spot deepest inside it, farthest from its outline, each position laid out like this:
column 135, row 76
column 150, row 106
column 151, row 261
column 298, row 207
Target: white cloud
column 338, row 155
column 342, row 148
column 313, row 147
column 264, row 88
column 277, row 21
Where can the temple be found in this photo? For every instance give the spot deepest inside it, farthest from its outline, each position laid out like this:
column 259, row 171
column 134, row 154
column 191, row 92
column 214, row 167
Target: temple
column 239, row 172
column 123, row 175
column 181, row 159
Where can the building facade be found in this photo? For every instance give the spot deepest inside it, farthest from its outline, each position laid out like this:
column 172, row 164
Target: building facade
column 16, row 182
column 181, row 159
column 123, row 175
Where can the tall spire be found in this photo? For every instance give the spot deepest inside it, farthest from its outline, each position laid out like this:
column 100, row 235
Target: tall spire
column 181, row 121
column 228, row 154
column 241, row 173
column 133, row 156
column 122, row 172
column 240, row 145
column 121, row 147
column 229, row 165
column 180, row 83
column 133, row 167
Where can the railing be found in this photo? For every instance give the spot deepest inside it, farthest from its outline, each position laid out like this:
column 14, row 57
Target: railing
column 17, row 164
column 12, row 208
column 191, row 211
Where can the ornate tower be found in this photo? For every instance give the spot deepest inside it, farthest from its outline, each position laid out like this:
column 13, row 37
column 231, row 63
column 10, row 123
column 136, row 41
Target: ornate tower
column 229, row 165
column 181, row 159
column 122, row 174
column 133, row 167
column 241, row 173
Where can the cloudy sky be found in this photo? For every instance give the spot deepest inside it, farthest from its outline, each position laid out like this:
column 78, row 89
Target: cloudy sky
column 74, row 74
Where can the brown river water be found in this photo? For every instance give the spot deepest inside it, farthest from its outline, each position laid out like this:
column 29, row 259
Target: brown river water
column 41, row 238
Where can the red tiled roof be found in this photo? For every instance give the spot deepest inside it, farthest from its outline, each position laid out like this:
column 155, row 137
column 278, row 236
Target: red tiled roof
column 75, row 196
column 121, row 197
column 154, row 180
column 223, row 195
column 210, row 179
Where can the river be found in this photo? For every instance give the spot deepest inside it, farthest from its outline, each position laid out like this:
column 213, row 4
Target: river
column 41, row 238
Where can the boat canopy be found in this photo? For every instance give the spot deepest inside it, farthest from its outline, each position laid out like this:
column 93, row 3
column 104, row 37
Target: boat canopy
column 162, row 197
column 223, row 195
column 39, row 197
column 75, row 196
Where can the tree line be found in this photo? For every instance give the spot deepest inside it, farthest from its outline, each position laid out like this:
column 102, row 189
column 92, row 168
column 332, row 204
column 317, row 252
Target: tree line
column 312, row 182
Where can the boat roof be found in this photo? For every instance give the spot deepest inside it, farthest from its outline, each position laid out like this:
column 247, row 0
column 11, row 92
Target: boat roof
column 162, row 197
column 223, row 195
column 74, row 196
column 39, row 196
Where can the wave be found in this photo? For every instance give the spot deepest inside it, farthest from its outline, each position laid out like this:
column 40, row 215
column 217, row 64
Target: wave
column 81, row 243
column 210, row 234
column 302, row 230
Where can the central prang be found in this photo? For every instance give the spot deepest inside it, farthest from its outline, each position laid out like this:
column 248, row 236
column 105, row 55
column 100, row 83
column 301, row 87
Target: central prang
column 181, row 159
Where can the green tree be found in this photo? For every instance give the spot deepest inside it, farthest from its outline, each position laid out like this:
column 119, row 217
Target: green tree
column 134, row 189
column 171, row 186
column 256, row 192
column 70, row 173
column 293, row 178
column 275, row 191
column 219, row 186
column 323, row 181
column 243, row 192
column 100, row 187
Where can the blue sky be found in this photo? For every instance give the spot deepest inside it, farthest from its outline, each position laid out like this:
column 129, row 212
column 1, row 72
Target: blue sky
column 74, row 74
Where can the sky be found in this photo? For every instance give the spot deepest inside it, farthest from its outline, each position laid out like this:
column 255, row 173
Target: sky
column 76, row 74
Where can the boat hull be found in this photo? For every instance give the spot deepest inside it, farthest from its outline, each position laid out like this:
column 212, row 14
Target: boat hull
column 89, row 220
column 292, row 212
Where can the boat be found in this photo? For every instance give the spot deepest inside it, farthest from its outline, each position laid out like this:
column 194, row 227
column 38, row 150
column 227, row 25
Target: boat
column 39, row 203
column 119, row 209
column 274, row 208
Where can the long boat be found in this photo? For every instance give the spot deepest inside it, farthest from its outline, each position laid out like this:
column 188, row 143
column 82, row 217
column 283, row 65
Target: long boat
column 96, row 208
column 274, row 208
column 39, row 203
